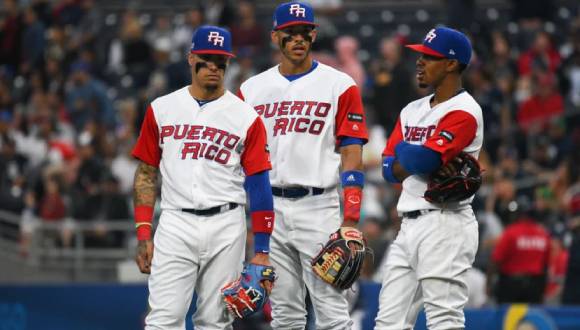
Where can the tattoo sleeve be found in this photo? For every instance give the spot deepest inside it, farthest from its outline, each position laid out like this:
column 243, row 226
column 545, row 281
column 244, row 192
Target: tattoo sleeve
column 144, row 186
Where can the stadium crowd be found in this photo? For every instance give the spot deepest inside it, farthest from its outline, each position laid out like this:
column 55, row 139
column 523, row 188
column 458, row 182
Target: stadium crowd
column 76, row 78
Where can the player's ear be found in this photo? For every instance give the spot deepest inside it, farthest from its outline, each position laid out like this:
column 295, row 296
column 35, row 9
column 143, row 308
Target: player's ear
column 453, row 65
column 191, row 59
column 275, row 37
column 314, row 33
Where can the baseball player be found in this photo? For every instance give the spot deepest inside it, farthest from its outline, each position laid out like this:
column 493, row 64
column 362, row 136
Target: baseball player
column 205, row 142
column 436, row 244
column 316, row 127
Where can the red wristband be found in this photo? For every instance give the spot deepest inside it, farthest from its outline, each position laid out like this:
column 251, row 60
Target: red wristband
column 143, row 221
column 352, row 203
column 262, row 221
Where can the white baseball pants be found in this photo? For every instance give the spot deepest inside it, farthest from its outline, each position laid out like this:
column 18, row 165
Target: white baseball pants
column 200, row 253
column 427, row 263
column 301, row 229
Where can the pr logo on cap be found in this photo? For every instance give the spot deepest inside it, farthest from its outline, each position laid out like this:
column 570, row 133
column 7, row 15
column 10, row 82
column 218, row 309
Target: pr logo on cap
column 447, row 43
column 293, row 13
column 430, row 36
column 208, row 39
column 297, row 10
column 216, row 38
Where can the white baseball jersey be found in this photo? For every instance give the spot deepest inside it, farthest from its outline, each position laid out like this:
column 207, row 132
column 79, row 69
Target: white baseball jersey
column 304, row 119
column 450, row 127
column 203, row 152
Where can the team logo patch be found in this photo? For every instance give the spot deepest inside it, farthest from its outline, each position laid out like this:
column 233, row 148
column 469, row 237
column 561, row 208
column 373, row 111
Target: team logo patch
column 447, row 135
column 354, row 117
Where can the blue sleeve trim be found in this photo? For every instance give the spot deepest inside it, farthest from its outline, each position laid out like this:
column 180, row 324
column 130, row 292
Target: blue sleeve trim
column 352, row 178
column 388, row 169
column 417, row 159
column 261, row 243
column 346, row 141
column 259, row 191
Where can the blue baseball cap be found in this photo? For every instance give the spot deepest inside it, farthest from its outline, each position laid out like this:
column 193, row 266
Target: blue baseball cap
column 293, row 13
column 447, row 43
column 208, row 39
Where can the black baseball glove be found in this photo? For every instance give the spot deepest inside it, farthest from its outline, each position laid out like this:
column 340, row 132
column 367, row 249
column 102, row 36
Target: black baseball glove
column 455, row 181
column 340, row 260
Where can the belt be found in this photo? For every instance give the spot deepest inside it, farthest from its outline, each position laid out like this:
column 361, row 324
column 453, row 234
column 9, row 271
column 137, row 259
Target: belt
column 417, row 213
column 296, row 192
column 212, row 210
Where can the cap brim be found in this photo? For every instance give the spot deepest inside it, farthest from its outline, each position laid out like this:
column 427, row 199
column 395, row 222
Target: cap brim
column 213, row 52
column 285, row 25
column 425, row 50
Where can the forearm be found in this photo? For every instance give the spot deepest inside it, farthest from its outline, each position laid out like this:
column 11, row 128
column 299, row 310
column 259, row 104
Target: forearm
column 144, row 195
column 393, row 171
column 261, row 210
column 352, row 180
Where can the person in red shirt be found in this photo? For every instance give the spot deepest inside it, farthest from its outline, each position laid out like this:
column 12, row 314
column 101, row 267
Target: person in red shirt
column 546, row 103
column 521, row 257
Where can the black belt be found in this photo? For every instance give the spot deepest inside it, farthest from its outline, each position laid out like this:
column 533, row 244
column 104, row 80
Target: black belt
column 212, row 210
column 417, row 213
column 296, row 192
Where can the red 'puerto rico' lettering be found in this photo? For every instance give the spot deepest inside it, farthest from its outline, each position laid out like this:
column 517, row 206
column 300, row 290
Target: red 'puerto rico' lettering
column 418, row 133
column 296, row 116
column 198, row 132
column 196, row 150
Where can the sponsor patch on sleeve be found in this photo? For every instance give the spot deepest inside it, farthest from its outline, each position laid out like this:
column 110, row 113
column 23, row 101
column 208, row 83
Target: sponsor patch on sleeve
column 447, row 135
column 354, row 117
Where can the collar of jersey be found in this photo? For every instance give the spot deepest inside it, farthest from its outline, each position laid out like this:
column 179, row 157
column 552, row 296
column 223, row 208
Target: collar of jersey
column 461, row 90
column 293, row 77
column 201, row 103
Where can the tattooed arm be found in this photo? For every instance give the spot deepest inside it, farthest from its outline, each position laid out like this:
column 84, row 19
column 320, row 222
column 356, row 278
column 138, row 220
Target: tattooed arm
column 144, row 194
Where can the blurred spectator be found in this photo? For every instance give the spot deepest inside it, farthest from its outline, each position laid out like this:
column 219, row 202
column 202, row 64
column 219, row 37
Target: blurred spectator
column 183, row 32
column 12, row 176
column 347, row 55
column 89, row 27
column 86, row 99
column 393, row 85
column 86, row 192
column 136, row 53
column 541, row 57
column 546, row 103
column 67, row 12
column 219, row 12
column 240, row 70
column 10, row 34
column 52, row 206
column 570, row 70
column 521, row 257
column 33, row 42
column 246, row 32
column 326, row 11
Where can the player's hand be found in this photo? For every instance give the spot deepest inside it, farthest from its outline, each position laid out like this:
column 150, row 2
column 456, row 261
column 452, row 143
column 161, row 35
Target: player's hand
column 264, row 260
column 449, row 169
column 144, row 256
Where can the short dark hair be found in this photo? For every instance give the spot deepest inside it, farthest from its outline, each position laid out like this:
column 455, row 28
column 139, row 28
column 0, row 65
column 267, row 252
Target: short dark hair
column 462, row 67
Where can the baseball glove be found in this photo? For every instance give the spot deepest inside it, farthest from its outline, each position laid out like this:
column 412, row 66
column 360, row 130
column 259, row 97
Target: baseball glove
column 247, row 294
column 340, row 260
column 460, row 181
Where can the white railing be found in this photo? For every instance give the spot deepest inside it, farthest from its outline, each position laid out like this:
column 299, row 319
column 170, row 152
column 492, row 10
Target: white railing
column 75, row 259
